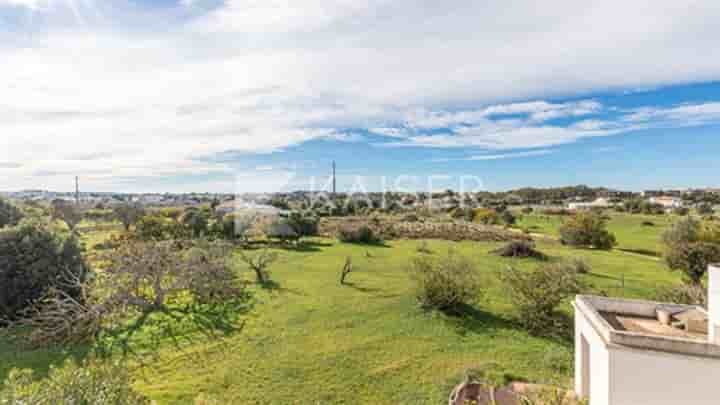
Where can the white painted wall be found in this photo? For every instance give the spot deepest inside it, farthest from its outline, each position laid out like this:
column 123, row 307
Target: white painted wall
column 626, row 376
column 714, row 303
column 599, row 362
column 639, row 377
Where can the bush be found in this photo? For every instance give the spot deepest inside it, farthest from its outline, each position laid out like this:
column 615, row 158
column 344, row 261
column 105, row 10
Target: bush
column 536, row 294
column 527, row 210
column 520, row 248
column 91, row 382
column 10, row 215
column 647, row 223
column 128, row 214
column 578, row 265
column 682, row 211
column 303, row 224
column 32, row 261
column 683, row 294
column 362, row 234
column 705, row 209
column 195, row 221
column 486, row 216
column 157, row 228
column 690, row 246
column 586, row 229
column 282, row 230
column 508, row 218
column 445, row 284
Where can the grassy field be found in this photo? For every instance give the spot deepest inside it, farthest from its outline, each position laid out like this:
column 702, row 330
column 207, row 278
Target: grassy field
column 633, row 232
column 310, row 340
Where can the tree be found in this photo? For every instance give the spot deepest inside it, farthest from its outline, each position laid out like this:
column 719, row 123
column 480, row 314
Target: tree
column 303, row 224
column 195, row 221
column 346, row 270
column 537, row 293
column 157, row 228
column 66, row 212
column 91, row 382
column 138, row 279
column 128, row 214
column 10, row 215
column 586, row 229
column 259, row 263
column 705, row 209
column 446, row 283
column 32, row 261
column 508, row 217
column 281, row 229
column 690, row 246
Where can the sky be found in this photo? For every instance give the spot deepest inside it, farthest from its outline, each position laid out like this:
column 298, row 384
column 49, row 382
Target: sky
column 262, row 95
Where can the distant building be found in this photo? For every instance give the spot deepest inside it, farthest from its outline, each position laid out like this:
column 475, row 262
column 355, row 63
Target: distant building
column 633, row 352
column 598, row 203
column 667, row 201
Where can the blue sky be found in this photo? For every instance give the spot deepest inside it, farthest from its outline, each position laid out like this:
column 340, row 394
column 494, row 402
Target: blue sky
column 246, row 95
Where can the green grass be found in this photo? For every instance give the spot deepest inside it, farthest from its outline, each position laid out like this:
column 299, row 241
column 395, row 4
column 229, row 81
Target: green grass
column 631, row 234
column 313, row 341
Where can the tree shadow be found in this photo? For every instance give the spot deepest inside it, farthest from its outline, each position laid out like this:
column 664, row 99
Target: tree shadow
column 17, row 354
column 273, row 286
column 643, row 252
column 178, row 326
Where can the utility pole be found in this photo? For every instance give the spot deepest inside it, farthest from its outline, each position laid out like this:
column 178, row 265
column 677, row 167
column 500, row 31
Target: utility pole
column 77, row 190
column 334, row 179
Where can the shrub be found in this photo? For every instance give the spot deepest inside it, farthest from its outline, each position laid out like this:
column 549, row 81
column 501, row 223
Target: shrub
column 508, row 217
column 578, row 265
column 10, row 215
column 527, row 210
column 486, row 216
column 195, row 221
column 282, row 230
column 536, row 294
column 303, row 224
column 682, row 211
column 586, row 229
column 128, row 214
column 91, row 382
column 411, row 218
column 647, row 223
column 705, row 209
column 33, row 260
column 690, row 246
column 67, row 212
column 157, row 228
column 520, row 248
column 445, row 283
column 683, row 294
column 361, row 234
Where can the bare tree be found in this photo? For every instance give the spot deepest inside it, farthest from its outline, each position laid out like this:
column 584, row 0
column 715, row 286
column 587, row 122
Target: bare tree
column 259, row 262
column 128, row 214
column 140, row 279
column 66, row 212
column 346, row 270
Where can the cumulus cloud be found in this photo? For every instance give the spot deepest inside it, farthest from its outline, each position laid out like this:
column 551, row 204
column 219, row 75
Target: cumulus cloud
column 259, row 76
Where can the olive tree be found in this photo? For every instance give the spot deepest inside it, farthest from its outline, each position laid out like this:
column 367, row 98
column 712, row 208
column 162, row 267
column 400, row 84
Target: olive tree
column 690, row 246
column 33, row 261
column 10, row 215
column 586, row 229
column 67, row 212
column 128, row 214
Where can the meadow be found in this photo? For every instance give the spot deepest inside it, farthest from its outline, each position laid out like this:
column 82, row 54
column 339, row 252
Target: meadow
column 311, row 340
column 635, row 233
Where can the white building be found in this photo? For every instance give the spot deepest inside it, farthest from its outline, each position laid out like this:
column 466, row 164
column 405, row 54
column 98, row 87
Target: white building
column 598, row 203
column 631, row 352
column 667, row 202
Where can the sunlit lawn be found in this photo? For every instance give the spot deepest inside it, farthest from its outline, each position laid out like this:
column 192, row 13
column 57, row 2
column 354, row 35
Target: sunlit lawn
column 311, row 340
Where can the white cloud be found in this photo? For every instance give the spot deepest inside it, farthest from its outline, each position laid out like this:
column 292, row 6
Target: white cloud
column 513, row 155
column 258, row 76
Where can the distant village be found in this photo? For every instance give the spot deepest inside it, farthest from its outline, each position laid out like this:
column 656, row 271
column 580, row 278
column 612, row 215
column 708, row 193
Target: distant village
column 572, row 198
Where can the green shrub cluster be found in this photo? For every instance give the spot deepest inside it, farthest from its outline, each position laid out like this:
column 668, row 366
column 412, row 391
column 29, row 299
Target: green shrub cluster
column 445, row 283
